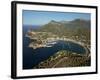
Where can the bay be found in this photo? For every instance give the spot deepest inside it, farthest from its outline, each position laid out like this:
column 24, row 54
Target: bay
column 32, row 57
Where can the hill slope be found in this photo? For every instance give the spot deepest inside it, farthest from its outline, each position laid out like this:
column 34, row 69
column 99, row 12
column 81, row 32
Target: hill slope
column 77, row 27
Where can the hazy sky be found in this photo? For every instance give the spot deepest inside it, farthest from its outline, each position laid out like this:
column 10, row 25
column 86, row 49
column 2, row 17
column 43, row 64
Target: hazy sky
column 31, row 17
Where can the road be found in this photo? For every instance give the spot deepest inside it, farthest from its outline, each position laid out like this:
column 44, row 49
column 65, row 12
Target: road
column 59, row 62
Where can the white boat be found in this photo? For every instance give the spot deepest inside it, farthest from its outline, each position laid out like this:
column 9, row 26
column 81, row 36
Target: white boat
column 53, row 42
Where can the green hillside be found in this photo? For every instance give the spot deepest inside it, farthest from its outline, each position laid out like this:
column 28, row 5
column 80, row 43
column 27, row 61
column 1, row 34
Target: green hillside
column 77, row 27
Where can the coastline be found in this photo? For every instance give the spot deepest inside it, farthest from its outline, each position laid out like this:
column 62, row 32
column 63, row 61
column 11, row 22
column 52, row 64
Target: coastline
column 40, row 43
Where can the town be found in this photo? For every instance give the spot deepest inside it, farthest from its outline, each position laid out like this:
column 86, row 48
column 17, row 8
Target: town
column 47, row 39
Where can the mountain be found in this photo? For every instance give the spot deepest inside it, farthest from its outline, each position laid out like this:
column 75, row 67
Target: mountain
column 80, row 23
column 74, row 24
column 54, row 27
column 77, row 27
